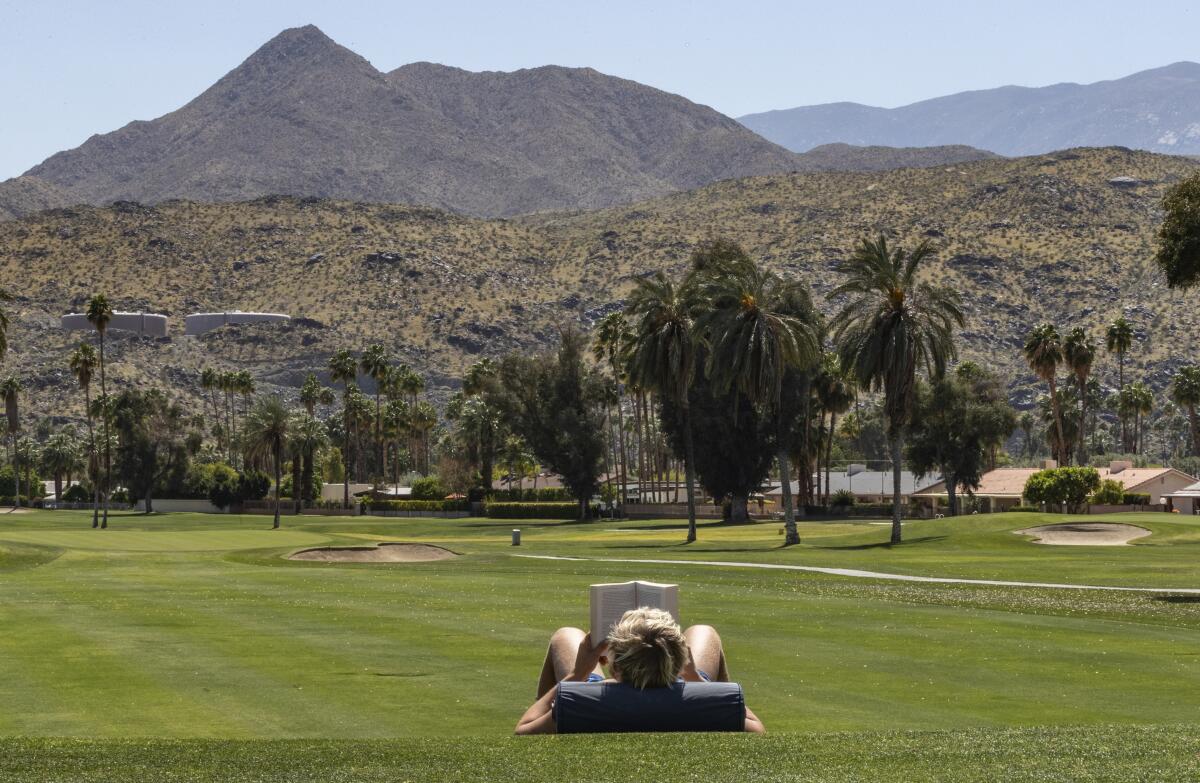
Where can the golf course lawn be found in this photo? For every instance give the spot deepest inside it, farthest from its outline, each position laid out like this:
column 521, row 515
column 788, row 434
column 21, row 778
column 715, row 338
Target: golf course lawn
column 190, row 643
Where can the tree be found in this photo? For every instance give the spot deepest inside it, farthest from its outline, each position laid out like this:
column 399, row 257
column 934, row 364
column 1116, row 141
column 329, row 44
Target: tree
column 10, row 389
column 761, row 330
column 1138, row 400
column 343, row 369
column 83, row 366
column 1118, row 339
column 956, row 421
column 1044, row 352
column 267, row 431
column 306, row 436
column 663, row 358
column 61, row 456
column 552, row 401
column 611, row 345
column 1057, row 486
column 376, row 365
column 835, row 394
column 1079, row 351
column 1178, row 252
column 99, row 313
column 482, row 418
column 893, row 327
column 150, row 441
column 1185, row 392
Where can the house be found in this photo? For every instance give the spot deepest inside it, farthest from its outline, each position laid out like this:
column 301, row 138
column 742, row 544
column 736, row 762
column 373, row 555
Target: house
column 1002, row 488
column 867, row 486
column 1186, row 500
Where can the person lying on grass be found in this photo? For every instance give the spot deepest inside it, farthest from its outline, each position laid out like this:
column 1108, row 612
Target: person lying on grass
column 645, row 650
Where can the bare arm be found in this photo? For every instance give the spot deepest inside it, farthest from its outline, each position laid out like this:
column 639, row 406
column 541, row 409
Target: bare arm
column 539, row 718
column 753, row 724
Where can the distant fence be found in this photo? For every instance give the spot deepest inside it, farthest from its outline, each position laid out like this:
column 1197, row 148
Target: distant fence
column 1122, row 509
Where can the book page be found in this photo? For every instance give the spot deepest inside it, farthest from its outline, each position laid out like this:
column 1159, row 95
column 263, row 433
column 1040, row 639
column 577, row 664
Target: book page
column 659, row 596
column 609, row 602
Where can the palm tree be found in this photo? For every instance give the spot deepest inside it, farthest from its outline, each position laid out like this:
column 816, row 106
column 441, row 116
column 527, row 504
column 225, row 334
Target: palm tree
column 611, row 345
column 1140, row 404
column 83, row 366
column 306, row 436
column 835, row 393
column 10, row 390
column 343, row 368
column 1185, row 392
column 893, row 327
column 1119, row 339
column 375, row 365
column 424, row 419
column 663, row 358
column 1080, row 352
column 60, row 456
column 266, row 434
column 1044, row 352
column 99, row 313
column 760, row 328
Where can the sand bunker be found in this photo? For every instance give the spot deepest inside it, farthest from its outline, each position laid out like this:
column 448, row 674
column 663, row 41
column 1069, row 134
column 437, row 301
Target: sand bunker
column 384, row 553
column 1085, row 534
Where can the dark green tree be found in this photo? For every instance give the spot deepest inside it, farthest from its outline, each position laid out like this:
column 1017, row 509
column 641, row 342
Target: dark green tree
column 151, row 443
column 1179, row 235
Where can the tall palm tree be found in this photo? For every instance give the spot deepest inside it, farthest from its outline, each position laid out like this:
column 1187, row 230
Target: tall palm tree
column 266, row 432
column 424, row 419
column 1141, row 404
column 1044, row 353
column 376, row 365
column 344, row 369
column 10, row 390
column 759, row 329
column 99, row 313
column 208, row 384
column 663, row 357
column 306, row 436
column 1119, row 339
column 1185, row 392
column 60, row 457
column 835, row 393
column 83, row 366
column 611, row 345
column 1079, row 351
column 893, row 327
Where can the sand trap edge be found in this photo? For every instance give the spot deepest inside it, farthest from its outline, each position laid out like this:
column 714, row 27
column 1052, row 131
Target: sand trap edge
column 1099, row 534
column 384, row 552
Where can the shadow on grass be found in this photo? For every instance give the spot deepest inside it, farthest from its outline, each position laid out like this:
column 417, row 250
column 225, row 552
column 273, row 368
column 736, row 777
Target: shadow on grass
column 1178, row 599
column 724, row 550
column 883, row 544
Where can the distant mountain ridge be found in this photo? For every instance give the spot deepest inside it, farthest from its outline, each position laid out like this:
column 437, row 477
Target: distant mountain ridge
column 1156, row 110
column 304, row 116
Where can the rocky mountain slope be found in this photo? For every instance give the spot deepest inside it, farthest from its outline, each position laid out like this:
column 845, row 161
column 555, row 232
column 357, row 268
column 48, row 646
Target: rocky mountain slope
column 305, row 116
column 1156, row 110
column 1066, row 237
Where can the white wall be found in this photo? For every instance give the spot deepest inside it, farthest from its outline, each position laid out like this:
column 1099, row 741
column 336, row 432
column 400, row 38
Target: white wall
column 192, row 506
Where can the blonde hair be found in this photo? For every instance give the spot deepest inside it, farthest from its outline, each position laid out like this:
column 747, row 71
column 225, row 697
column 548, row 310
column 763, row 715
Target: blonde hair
column 647, row 648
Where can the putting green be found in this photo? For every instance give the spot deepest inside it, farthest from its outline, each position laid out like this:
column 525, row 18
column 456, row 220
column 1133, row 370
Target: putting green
column 163, row 540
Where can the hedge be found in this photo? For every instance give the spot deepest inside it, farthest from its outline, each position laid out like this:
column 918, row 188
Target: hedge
column 541, row 495
column 1136, row 499
column 1024, row 509
column 417, row 505
column 533, row 510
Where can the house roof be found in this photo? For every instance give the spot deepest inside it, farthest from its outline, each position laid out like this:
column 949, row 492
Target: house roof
column 1010, row 482
column 865, row 482
column 1190, row 491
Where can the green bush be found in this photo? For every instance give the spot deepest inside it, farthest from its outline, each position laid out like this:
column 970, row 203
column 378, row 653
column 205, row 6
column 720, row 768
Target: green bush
column 76, row 493
column 253, row 485
column 203, row 476
column 285, row 486
column 1111, row 493
column 843, row 498
column 7, row 485
column 1056, row 486
column 417, row 505
column 223, row 491
column 428, row 488
column 120, row 496
column 1026, row 509
column 1136, row 499
column 533, row 510
column 540, row 495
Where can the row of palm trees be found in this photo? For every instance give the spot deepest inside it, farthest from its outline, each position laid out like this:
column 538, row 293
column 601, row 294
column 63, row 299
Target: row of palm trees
column 750, row 330
column 1046, row 352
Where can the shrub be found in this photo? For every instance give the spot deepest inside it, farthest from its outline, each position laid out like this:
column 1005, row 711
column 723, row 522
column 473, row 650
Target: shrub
column 539, row 495
column 1062, row 485
column 7, row 485
column 418, row 505
column 1111, row 493
column 1136, row 499
column 428, row 488
column 843, row 498
column 76, row 493
column 253, row 485
column 534, row 510
column 119, row 496
column 223, row 491
column 285, row 486
column 202, row 476
column 1026, row 509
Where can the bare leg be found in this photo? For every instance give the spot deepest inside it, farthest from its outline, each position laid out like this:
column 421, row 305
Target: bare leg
column 707, row 651
column 560, row 658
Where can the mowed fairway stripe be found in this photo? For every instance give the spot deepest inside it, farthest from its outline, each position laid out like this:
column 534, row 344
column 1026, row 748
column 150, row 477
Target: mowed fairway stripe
column 860, row 574
column 164, row 540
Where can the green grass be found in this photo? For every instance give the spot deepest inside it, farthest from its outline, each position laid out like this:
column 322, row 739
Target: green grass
column 195, row 628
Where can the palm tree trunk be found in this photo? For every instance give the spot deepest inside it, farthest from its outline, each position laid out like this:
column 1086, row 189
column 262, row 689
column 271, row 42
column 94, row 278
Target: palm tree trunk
column 897, row 453
column 1083, row 458
column 346, row 456
column 829, row 453
column 690, row 470
column 1063, row 450
column 87, row 401
column 107, row 442
column 792, row 535
column 277, row 458
column 621, row 443
column 297, row 500
column 1121, row 388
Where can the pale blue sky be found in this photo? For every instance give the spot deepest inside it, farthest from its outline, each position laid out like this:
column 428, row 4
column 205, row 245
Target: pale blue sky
column 71, row 69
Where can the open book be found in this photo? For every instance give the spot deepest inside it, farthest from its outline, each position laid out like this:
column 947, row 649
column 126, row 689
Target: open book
column 610, row 601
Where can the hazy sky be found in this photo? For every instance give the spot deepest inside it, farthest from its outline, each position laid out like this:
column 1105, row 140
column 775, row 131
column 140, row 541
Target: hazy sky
column 71, row 69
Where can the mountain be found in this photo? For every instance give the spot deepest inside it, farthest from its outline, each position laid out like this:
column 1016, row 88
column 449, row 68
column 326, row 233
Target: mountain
column 307, row 117
column 1020, row 238
column 1157, row 110
column 21, row 196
